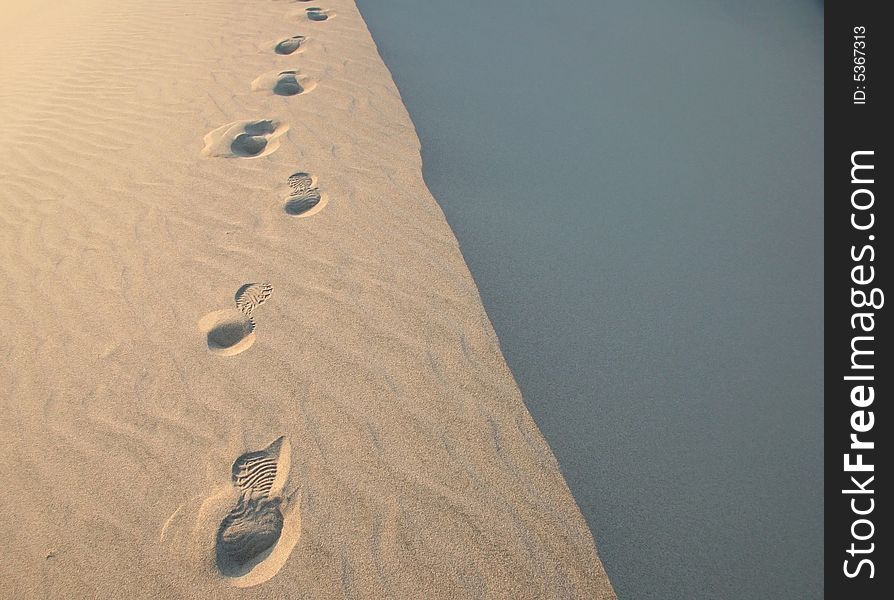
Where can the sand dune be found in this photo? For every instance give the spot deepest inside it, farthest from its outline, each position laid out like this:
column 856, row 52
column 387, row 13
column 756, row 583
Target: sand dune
column 208, row 397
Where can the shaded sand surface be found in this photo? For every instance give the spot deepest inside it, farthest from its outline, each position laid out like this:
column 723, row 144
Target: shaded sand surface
column 636, row 186
column 202, row 392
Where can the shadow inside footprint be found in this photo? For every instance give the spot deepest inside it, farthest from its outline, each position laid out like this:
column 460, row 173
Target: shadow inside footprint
column 229, row 333
column 298, row 205
column 290, row 45
column 287, row 84
column 254, row 140
column 244, row 139
column 283, row 83
column 246, row 144
column 247, row 535
column 316, row 14
column 264, row 127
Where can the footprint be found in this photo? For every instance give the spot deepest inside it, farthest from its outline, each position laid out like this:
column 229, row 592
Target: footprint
column 315, row 13
column 252, row 295
column 263, row 473
column 232, row 330
column 304, row 199
column 283, row 83
column 244, row 139
column 300, row 182
column 228, row 332
column 257, row 536
column 290, row 45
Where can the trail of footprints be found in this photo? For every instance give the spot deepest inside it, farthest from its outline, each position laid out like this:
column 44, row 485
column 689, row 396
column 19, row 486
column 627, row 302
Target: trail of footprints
column 231, row 332
column 257, row 536
column 249, row 139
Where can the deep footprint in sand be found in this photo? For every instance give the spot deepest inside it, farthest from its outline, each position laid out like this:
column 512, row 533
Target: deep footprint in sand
column 257, row 536
column 283, row 83
column 315, row 13
column 304, row 198
column 231, row 331
column 244, row 139
column 290, row 45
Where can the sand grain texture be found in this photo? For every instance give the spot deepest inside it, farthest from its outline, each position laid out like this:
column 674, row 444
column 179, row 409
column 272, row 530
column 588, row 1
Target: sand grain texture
column 145, row 186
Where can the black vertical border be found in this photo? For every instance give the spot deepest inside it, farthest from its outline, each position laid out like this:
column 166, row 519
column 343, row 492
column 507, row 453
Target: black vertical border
column 851, row 127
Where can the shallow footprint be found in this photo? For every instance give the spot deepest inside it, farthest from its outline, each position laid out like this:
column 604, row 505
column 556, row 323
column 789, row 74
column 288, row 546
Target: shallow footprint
column 252, row 295
column 263, row 473
column 290, row 45
column 257, row 536
column 283, row 83
column 300, row 182
column 231, row 331
column 244, row 139
column 305, row 199
column 316, row 13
